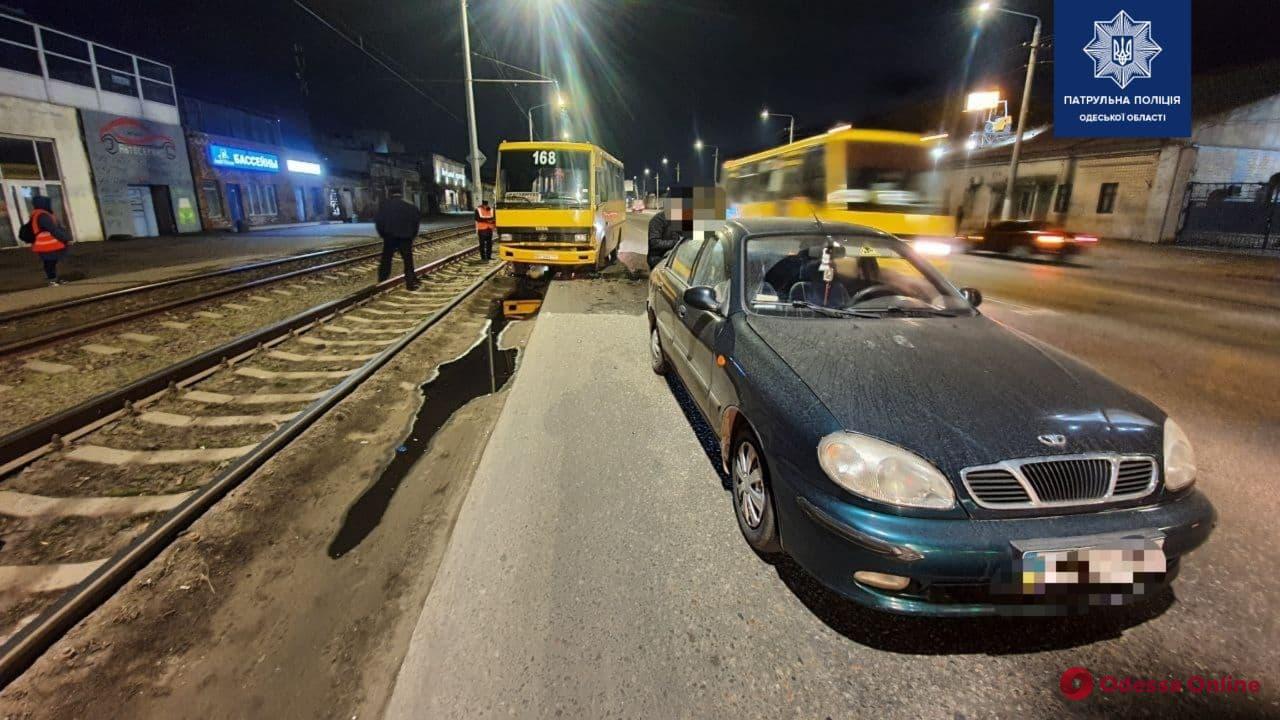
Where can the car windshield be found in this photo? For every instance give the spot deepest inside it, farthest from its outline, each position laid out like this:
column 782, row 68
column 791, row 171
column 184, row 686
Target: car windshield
column 864, row 276
column 544, row 178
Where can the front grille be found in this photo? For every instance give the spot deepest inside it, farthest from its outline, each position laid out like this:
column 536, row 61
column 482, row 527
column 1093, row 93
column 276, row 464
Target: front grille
column 1135, row 476
column 1060, row 481
column 1064, row 480
column 996, row 486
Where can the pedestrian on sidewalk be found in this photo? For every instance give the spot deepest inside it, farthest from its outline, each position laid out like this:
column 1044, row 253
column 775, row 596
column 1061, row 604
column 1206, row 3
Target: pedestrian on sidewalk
column 484, row 229
column 397, row 224
column 46, row 236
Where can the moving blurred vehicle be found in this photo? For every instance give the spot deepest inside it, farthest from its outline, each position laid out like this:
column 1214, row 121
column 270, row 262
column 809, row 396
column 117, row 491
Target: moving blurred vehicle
column 1025, row 238
column 906, row 451
column 877, row 178
column 559, row 203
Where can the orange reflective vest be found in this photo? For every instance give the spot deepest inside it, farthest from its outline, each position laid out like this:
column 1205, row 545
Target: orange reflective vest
column 484, row 220
column 45, row 241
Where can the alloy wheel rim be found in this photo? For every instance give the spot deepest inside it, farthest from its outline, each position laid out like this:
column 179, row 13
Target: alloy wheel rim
column 748, row 485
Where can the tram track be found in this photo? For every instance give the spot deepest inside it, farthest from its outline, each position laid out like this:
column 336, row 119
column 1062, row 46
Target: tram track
column 67, row 371
column 31, row 328
column 89, row 509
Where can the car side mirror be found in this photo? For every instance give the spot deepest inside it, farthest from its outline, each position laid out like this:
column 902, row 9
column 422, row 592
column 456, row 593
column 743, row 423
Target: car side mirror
column 973, row 295
column 701, row 298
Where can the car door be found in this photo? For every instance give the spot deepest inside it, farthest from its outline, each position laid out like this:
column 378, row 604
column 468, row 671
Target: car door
column 670, row 310
column 704, row 326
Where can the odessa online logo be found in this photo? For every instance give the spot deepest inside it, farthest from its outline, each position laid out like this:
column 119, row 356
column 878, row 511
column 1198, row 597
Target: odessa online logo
column 1122, row 49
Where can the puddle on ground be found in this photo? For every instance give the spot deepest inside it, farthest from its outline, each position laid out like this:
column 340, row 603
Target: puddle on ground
column 483, row 370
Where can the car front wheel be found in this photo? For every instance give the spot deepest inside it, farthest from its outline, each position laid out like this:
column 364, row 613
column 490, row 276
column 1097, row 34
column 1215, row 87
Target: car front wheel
column 752, row 498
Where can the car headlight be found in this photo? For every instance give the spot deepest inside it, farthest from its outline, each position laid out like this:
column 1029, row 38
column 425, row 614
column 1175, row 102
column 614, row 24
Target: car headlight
column 884, row 472
column 1179, row 458
column 504, row 237
column 580, row 237
column 938, row 247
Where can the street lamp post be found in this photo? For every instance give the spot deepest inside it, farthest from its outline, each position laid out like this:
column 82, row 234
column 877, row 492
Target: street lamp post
column 715, row 160
column 791, row 132
column 476, row 188
column 1006, row 211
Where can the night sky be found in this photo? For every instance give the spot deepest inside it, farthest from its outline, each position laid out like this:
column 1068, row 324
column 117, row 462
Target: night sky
column 644, row 77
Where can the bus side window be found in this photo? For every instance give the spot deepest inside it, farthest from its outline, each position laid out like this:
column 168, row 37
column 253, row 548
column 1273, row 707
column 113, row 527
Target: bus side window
column 814, row 176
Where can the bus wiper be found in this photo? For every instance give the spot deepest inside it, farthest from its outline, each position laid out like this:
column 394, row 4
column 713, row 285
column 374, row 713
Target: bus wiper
column 829, row 311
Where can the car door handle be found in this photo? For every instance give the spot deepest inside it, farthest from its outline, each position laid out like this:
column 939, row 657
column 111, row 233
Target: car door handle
column 682, row 311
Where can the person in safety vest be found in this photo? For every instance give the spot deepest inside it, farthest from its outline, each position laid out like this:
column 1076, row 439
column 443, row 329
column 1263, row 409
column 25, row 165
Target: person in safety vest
column 484, row 229
column 46, row 236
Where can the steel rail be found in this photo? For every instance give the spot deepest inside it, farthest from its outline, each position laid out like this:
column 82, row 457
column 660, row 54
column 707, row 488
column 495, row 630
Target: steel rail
column 32, row 343
column 25, row 646
column 134, row 289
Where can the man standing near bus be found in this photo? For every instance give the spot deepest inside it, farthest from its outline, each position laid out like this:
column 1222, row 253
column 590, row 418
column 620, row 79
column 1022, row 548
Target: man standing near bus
column 484, row 229
column 46, row 236
column 397, row 224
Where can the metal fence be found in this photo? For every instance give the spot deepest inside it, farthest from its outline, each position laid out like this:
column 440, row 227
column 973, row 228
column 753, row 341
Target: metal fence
column 1232, row 215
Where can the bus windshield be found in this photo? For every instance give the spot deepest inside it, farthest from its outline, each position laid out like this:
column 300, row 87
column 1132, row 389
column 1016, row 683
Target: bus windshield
column 544, row 178
column 888, row 178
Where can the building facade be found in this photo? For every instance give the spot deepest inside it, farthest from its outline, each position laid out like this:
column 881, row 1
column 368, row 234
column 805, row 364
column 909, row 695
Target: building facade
column 45, row 76
column 244, row 176
column 450, row 178
column 1221, row 186
column 141, row 175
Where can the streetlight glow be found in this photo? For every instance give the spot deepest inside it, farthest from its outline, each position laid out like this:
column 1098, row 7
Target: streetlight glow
column 697, row 145
column 983, row 7
column 664, row 161
column 764, row 114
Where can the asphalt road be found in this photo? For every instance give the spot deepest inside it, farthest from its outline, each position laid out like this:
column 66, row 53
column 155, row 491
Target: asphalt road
column 596, row 570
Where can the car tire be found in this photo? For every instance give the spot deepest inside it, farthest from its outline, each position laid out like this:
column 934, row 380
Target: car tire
column 657, row 356
column 752, row 495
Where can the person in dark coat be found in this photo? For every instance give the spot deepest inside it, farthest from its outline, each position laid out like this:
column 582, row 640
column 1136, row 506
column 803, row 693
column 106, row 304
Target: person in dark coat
column 46, row 236
column 397, row 224
column 671, row 225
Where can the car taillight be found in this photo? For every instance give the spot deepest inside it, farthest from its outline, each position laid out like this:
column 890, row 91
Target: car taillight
column 1052, row 240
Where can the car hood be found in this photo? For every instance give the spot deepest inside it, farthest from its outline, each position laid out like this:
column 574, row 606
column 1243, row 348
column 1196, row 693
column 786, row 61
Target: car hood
column 960, row 391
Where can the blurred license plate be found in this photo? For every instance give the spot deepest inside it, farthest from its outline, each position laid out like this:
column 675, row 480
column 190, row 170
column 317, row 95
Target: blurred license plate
column 1119, row 562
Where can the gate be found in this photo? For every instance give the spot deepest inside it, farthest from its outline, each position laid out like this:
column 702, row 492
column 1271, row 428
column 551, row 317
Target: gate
column 1232, row 215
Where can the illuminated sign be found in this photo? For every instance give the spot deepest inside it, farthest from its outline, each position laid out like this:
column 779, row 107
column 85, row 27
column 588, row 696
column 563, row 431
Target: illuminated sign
column 984, row 100
column 306, row 168
column 241, row 159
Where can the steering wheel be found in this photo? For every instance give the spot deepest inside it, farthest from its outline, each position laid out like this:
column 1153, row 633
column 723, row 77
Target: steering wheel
column 872, row 292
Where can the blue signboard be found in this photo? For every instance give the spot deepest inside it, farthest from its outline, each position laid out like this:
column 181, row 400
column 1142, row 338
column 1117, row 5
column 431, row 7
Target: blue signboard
column 1122, row 68
column 242, row 159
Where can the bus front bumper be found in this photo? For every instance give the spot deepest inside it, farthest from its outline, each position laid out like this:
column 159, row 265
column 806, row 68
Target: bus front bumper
column 547, row 254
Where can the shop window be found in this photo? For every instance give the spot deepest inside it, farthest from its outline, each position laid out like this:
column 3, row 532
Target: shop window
column 71, row 71
column 18, row 159
column 106, row 57
column 56, row 42
column 117, row 82
column 211, row 196
column 272, row 207
column 21, row 59
column 1107, row 198
column 1062, row 200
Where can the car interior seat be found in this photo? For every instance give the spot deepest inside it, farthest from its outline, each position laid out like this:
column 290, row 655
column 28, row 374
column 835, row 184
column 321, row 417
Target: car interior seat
column 813, row 289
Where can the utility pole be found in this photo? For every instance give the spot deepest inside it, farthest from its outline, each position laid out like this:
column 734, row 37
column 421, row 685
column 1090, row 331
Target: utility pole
column 1007, row 211
column 477, row 188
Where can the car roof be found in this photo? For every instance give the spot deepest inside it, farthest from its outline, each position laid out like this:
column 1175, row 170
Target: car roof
column 807, row 226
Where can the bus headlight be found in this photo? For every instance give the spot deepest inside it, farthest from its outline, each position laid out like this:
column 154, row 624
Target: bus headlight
column 580, row 237
column 504, row 237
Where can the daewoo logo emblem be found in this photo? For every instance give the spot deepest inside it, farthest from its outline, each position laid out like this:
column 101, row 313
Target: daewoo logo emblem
column 1053, row 440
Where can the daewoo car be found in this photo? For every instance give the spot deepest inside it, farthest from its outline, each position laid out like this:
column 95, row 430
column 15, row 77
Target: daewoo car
column 1025, row 238
column 907, row 451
